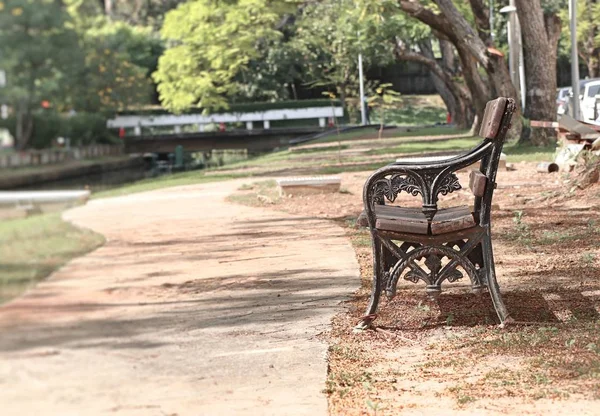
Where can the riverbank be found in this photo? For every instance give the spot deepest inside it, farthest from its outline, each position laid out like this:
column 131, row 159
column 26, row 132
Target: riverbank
column 28, row 177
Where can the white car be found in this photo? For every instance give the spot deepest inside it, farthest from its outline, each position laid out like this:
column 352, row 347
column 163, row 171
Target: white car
column 562, row 99
column 587, row 97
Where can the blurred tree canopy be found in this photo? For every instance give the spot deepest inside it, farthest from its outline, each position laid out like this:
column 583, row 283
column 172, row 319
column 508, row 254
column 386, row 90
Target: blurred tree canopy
column 38, row 52
column 108, row 55
column 211, row 43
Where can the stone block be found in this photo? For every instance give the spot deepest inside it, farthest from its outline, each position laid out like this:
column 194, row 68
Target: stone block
column 309, row 185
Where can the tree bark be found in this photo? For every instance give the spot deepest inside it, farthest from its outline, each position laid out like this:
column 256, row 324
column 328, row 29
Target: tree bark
column 540, row 68
column 456, row 98
column 24, row 126
column 482, row 20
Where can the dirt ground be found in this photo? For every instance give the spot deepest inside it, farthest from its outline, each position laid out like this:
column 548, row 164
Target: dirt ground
column 450, row 357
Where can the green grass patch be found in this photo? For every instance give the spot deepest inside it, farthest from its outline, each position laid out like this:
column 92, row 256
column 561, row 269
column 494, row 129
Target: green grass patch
column 526, row 153
column 32, row 248
column 373, row 133
column 322, row 149
column 166, row 181
column 257, row 194
column 423, row 115
column 461, row 144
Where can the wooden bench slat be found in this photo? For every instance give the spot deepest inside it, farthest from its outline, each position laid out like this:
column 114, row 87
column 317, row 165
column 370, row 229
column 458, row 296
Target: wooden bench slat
column 477, row 182
column 492, row 118
column 412, row 220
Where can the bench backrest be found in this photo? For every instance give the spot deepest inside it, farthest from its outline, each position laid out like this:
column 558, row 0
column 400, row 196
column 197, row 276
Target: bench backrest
column 492, row 118
column 494, row 127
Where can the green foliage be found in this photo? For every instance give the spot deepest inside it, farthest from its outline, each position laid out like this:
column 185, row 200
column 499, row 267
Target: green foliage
column 118, row 60
column 385, row 99
column 210, row 43
column 109, row 80
column 39, row 55
column 81, row 128
column 588, row 31
column 36, row 48
column 331, row 34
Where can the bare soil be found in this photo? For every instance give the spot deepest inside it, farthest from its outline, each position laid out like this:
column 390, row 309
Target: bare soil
column 450, row 357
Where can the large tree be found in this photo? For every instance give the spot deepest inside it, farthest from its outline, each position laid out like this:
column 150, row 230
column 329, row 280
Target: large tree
column 39, row 54
column 540, row 34
column 474, row 48
column 212, row 43
column 331, row 34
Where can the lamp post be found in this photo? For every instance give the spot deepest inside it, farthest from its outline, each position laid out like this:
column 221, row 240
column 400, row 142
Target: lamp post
column 574, row 58
column 3, row 107
column 492, row 34
column 515, row 55
column 363, row 110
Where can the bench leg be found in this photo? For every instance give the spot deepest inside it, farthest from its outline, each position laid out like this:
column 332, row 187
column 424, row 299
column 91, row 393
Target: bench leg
column 492, row 283
column 378, row 273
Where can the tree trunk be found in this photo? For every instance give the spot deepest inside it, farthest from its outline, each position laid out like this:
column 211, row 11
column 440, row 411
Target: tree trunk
column 456, row 104
column 472, row 51
column 24, row 126
column 481, row 13
column 462, row 96
column 108, row 7
column 540, row 68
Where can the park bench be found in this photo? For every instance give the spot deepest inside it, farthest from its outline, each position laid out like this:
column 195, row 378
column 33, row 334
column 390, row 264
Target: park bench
column 427, row 243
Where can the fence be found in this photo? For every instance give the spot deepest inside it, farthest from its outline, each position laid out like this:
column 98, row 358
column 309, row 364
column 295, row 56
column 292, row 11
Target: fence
column 54, row 156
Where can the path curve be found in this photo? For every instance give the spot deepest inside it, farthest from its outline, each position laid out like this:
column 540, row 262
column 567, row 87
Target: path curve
column 194, row 306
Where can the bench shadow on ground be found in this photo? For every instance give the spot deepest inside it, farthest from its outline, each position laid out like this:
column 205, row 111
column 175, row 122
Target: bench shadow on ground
column 559, row 295
column 464, row 309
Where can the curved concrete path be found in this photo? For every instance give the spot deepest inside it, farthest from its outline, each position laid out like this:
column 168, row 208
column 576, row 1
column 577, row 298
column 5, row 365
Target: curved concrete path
column 193, row 307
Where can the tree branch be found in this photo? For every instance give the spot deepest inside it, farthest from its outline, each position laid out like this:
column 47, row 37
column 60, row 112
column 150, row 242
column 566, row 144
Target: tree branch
column 404, row 54
column 436, row 21
column 482, row 20
column 463, row 32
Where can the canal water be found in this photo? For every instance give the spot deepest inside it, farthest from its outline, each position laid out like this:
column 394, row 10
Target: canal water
column 95, row 182
column 115, row 178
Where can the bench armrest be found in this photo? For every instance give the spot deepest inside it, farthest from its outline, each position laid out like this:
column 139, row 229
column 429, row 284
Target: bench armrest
column 427, row 179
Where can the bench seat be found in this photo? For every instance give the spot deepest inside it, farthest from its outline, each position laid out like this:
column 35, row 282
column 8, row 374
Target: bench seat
column 413, row 221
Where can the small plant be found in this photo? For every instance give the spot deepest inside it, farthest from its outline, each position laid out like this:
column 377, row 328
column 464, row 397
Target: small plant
column 246, row 187
column 384, row 99
column 422, row 307
column 588, row 259
column 593, row 347
column 373, row 406
column 464, row 399
column 522, row 233
column 332, row 99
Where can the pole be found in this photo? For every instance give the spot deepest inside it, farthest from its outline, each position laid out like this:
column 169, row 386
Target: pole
column 512, row 58
column 3, row 107
column 574, row 58
column 492, row 34
column 515, row 51
column 363, row 110
column 522, row 85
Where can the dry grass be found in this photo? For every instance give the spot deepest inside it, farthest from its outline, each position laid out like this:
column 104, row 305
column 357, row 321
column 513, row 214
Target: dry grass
column 450, row 357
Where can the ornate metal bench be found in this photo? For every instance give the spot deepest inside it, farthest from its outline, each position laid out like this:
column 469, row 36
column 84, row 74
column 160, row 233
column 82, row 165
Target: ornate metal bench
column 406, row 239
